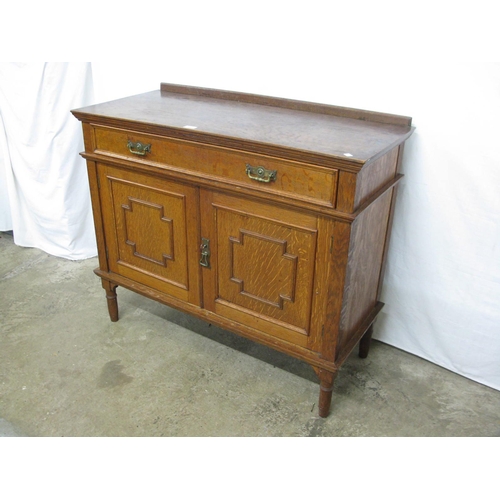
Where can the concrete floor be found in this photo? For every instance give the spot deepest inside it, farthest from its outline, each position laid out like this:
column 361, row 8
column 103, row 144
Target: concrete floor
column 66, row 370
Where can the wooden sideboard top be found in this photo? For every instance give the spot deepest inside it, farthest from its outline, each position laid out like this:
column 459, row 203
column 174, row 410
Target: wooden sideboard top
column 298, row 130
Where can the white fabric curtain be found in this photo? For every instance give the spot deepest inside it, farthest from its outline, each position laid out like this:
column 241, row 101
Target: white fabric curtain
column 442, row 282
column 44, row 194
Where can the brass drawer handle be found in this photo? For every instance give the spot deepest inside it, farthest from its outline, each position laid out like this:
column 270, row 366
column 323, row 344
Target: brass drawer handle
column 138, row 148
column 261, row 174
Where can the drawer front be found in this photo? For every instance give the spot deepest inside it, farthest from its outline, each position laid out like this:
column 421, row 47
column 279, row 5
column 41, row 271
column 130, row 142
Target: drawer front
column 248, row 170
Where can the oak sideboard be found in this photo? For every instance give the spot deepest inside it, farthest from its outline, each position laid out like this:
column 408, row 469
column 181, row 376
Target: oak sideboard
column 268, row 217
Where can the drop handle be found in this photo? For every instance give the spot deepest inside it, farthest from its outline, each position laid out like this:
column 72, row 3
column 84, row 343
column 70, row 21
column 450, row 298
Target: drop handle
column 138, row 148
column 205, row 252
column 261, row 174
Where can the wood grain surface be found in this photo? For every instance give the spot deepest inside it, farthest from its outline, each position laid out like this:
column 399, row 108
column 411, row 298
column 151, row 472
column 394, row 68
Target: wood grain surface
column 293, row 260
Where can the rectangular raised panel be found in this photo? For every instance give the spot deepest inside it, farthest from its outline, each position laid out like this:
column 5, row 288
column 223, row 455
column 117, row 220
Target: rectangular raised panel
column 293, row 179
column 145, row 233
column 148, row 231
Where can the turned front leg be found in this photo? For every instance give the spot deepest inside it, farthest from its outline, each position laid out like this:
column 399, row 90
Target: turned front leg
column 111, row 298
column 326, row 380
column 364, row 343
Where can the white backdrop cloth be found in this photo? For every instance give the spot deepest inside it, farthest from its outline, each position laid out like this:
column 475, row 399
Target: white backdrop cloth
column 442, row 282
column 44, row 194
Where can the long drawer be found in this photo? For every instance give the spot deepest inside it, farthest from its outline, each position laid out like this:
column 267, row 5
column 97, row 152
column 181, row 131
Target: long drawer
column 292, row 179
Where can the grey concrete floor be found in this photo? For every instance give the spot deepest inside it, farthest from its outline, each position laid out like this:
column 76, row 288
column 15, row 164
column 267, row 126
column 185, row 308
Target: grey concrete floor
column 66, row 370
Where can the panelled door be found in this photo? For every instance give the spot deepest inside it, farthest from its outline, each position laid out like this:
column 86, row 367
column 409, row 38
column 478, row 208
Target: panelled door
column 261, row 270
column 152, row 231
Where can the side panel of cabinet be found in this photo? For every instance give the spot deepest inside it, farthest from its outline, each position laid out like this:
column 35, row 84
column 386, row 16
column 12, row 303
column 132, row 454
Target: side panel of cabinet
column 151, row 231
column 262, row 267
column 363, row 273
